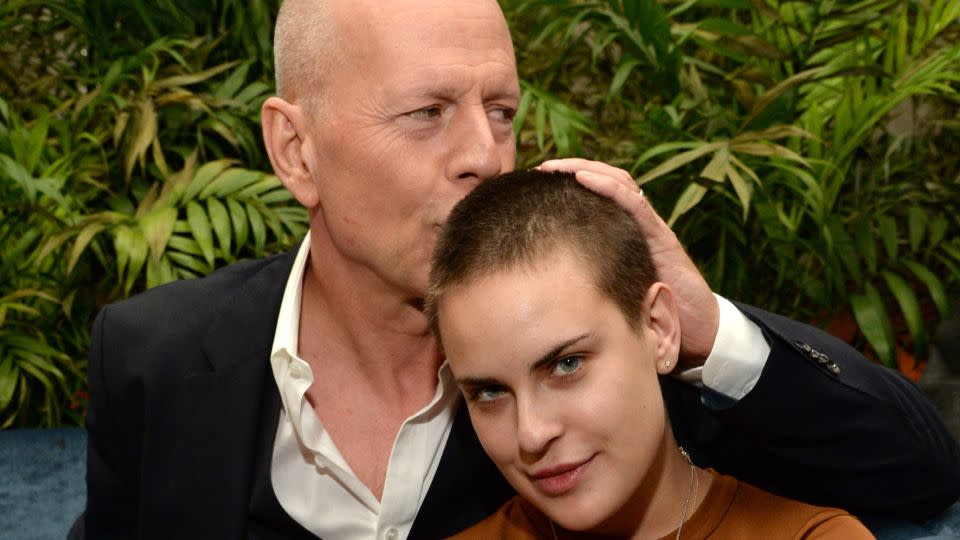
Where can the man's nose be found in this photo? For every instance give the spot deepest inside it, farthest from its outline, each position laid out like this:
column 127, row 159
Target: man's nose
column 537, row 428
column 476, row 154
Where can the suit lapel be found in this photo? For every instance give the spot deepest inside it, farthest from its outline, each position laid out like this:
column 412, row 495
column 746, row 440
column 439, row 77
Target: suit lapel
column 223, row 424
column 220, row 431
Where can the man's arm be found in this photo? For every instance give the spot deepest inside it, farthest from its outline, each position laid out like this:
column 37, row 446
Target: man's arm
column 112, row 480
column 843, row 431
column 697, row 307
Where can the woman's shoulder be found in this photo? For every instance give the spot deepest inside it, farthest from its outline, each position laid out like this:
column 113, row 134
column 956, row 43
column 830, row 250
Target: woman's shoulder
column 731, row 510
column 515, row 520
column 773, row 516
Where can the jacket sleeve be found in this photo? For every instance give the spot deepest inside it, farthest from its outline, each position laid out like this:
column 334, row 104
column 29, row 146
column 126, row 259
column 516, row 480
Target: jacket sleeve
column 112, row 447
column 825, row 425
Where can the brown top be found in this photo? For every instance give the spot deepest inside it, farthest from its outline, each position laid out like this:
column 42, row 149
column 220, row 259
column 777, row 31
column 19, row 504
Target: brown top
column 731, row 510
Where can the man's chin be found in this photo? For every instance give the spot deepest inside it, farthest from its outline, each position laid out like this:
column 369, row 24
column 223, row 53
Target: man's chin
column 416, row 292
column 417, row 303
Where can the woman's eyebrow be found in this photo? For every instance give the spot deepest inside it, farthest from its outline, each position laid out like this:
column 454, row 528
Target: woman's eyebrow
column 477, row 382
column 546, row 358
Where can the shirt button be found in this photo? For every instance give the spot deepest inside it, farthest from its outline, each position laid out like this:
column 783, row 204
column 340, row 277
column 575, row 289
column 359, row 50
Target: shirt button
column 392, row 534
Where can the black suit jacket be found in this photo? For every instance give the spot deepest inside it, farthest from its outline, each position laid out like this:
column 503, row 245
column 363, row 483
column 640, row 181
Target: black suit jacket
column 177, row 376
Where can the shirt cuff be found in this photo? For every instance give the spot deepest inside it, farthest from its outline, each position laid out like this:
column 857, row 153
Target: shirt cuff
column 739, row 354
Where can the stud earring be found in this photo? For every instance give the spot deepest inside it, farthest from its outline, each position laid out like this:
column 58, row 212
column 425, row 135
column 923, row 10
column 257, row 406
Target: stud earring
column 666, row 364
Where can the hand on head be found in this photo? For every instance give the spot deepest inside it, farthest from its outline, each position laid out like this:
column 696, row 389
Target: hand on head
column 699, row 312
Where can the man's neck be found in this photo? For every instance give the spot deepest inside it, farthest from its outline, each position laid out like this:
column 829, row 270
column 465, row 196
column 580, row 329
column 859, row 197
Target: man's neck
column 347, row 313
column 373, row 359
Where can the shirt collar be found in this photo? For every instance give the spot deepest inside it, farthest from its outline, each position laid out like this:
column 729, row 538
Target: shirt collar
column 286, row 337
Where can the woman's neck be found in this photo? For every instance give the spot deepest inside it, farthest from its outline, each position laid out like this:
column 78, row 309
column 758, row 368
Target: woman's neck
column 671, row 492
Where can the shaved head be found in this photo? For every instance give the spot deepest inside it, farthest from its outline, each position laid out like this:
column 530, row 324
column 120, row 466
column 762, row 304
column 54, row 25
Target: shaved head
column 305, row 50
column 313, row 39
column 412, row 106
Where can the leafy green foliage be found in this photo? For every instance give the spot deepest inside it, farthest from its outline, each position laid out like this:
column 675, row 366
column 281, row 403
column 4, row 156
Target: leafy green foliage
column 805, row 151
column 122, row 134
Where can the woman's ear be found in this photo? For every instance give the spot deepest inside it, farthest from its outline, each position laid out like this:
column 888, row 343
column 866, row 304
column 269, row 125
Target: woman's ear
column 283, row 126
column 664, row 323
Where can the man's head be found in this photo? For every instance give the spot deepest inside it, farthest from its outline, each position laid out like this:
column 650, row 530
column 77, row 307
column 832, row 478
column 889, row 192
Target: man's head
column 547, row 305
column 389, row 113
column 306, row 51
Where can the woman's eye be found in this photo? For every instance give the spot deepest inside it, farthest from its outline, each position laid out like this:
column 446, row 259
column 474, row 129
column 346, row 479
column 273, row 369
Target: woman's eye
column 567, row 365
column 486, row 394
column 426, row 113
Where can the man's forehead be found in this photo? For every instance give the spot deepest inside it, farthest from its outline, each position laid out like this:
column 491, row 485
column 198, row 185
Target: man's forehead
column 446, row 82
column 425, row 48
column 387, row 8
column 429, row 22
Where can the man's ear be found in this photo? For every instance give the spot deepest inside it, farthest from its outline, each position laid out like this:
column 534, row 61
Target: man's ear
column 664, row 322
column 283, row 137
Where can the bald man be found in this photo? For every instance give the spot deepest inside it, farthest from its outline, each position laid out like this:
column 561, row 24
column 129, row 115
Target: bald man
column 303, row 395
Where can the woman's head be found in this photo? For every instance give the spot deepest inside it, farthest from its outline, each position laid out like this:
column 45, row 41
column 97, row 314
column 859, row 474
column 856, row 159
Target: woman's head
column 547, row 305
column 520, row 217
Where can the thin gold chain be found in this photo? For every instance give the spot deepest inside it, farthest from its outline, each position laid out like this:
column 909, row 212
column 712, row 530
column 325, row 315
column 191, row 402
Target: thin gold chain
column 686, row 503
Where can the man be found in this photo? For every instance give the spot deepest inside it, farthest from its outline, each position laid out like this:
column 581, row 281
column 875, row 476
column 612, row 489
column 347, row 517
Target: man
column 303, row 395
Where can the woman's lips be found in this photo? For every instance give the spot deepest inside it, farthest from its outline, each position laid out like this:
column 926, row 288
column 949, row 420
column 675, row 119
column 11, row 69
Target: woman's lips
column 558, row 480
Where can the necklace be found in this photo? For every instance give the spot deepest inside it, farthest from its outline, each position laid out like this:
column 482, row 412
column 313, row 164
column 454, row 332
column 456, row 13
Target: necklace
column 691, row 489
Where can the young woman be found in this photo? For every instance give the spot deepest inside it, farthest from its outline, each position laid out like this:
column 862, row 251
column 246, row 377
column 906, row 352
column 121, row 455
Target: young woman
column 555, row 326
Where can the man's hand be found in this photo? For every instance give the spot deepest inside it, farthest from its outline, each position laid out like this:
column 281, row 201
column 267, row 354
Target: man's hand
column 699, row 312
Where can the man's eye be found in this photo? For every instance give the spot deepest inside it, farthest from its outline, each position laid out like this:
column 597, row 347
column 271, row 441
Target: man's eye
column 426, row 113
column 505, row 114
column 567, row 365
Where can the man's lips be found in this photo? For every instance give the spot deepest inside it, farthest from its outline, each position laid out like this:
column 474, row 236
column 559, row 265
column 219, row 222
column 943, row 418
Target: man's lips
column 559, row 479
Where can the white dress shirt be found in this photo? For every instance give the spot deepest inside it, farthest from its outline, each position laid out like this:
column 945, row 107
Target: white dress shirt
column 314, row 483
column 737, row 358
